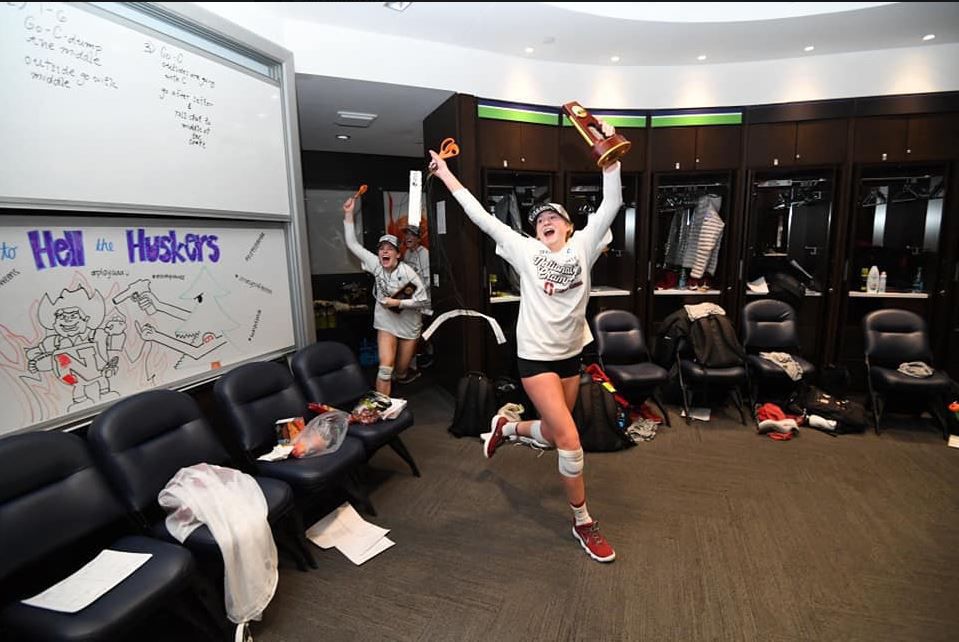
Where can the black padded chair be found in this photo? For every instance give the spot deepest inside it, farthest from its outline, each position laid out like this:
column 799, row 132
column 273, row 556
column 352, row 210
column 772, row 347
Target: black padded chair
column 58, row 513
column 625, row 358
column 769, row 325
column 898, row 336
column 328, row 372
column 252, row 397
column 694, row 376
column 141, row 441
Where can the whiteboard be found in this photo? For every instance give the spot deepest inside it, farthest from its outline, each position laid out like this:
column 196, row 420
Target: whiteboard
column 97, row 311
column 97, row 110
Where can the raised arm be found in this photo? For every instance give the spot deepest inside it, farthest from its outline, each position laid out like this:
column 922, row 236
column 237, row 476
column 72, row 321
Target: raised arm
column 600, row 221
column 367, row 258
column 496, row 229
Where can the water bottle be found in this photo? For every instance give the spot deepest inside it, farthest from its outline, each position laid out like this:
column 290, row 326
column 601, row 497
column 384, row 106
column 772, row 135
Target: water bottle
column 882, row 281
column 917, row 284
column 872, row 282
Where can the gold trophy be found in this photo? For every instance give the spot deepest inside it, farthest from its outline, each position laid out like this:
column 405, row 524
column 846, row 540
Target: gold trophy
column 605, row 150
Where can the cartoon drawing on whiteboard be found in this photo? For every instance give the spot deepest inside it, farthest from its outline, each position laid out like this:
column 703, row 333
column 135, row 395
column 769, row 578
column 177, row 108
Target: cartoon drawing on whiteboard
column 201, row 329
column 79, row 347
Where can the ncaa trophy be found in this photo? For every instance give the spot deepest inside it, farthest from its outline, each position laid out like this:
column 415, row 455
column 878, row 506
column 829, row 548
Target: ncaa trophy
column 605, row 150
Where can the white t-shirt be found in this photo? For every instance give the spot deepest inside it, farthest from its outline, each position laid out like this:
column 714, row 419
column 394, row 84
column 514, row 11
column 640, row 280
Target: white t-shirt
column 407, row 323
column 554, row 286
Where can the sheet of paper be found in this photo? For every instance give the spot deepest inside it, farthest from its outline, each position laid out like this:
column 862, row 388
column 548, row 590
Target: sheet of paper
column 358, row 558
column 344, row 528
column 81, row 589
column 702, row 414
column 279, row 453
column 954, row 441
column 396, row 407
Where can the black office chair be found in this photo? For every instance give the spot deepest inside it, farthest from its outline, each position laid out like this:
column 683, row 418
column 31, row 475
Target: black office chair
column 58, row 513
column 894, row 337
column 769, row 325
column 328, row 372
column 141, row 441
column 625, row 358
column 693, row 374
column 252, row 398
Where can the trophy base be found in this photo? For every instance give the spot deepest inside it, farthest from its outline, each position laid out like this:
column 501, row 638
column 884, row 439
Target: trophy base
column 609, row 150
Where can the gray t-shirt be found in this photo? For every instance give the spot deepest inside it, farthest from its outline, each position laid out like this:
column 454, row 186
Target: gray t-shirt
column 407, row 323
column 554, row 286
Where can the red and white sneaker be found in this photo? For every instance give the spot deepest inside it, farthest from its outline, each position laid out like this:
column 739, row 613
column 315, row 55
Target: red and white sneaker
column 494, row 438
column 593, row 542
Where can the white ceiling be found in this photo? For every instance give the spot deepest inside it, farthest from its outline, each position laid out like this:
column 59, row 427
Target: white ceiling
column 645, row 36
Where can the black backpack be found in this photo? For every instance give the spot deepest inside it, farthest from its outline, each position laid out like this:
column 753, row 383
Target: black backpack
column 598, row 418
column 475, row 405
column 715, row 343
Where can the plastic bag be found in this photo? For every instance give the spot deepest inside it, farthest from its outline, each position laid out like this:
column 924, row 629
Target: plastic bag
column 323, row 435
column 370, row 407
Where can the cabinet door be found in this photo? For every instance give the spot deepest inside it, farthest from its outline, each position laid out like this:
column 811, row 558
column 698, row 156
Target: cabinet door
column 575, row 153
column 933, row 137
column 673, row 148
column 499, row 143
column 880, row 138
column 771, row 145
column 539, row 147
column 821, row 142
column 635, row 158
column 718, row 146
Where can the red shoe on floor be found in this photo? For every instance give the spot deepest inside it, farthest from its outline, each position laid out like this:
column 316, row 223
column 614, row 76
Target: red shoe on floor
column 647, row 413
column 593, row 542
column 495, row 437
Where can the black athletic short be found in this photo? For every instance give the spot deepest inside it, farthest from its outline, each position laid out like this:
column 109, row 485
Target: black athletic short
column 564, row 367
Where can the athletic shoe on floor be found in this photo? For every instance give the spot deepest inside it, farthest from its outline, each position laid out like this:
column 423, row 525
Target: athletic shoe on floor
column 593, row 542
column 411, row 376
column 493, row 439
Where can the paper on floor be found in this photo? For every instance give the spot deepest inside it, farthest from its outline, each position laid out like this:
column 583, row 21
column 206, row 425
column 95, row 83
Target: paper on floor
column 350, row 534
column 954, row 441
column 702, row 414
column 84, row 587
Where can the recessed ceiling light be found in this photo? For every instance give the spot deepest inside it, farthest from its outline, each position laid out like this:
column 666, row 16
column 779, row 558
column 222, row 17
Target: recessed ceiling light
column 614, row 58
column 808, row 48
column 529, row 50
column 701, row 57
column 929, row 36
column 342, row 137
column 397, row 6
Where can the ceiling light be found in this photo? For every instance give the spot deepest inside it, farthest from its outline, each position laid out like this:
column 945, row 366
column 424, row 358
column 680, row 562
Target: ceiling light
column 808, row 48
column 529, row 50
column 342, row 137
column 701, row 57
column 614, row 58
column 929, row 36
column 397, row 6
column 354, row 119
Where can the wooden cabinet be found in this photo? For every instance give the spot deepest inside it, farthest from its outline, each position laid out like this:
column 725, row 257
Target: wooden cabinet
column 511, row 145
column 689, row 148
column 904, row 138
column 814, row 142
column 575, row 155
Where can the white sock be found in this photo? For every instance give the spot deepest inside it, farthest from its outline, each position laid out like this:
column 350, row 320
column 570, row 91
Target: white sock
column 509, row 429
column 581, row 514
column 821, row 422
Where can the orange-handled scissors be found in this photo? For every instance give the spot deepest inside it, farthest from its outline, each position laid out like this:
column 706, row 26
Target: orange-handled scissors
column 449, row 149
column 360, row 192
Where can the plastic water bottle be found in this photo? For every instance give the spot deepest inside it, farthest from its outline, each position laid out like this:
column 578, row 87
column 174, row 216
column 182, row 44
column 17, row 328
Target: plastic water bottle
column 917, row 284
column 872, row 283
column 882, row 281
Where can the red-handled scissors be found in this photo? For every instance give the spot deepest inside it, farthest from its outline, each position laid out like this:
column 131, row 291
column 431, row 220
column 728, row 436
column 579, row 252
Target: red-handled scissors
column 360, row 192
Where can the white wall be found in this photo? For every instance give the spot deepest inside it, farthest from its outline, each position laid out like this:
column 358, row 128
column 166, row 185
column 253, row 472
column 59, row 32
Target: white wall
column 347, row 53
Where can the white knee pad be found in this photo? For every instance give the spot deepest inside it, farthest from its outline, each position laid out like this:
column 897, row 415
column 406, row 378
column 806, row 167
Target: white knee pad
column 570, row 462
column 385, row 373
